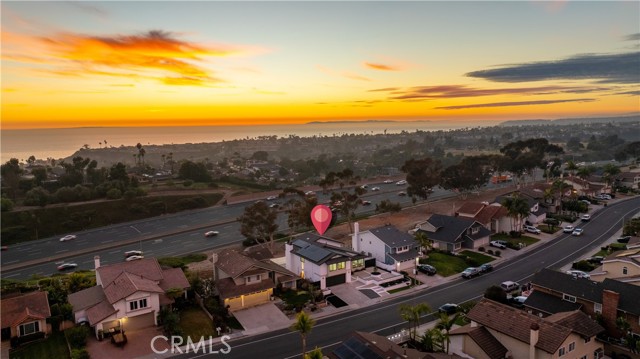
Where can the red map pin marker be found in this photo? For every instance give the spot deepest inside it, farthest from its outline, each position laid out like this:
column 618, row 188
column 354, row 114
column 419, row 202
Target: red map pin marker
column 321, row 218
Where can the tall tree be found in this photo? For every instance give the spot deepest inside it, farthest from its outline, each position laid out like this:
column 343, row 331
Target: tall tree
column 422, row 176
column 446, row 323
column 258, row 223
column 412, row 315
column 433, row 340
column 517, row 209
column 299, row 209
column 469, row 175
column 523, row 156
column 303, row 324
column 11, row 172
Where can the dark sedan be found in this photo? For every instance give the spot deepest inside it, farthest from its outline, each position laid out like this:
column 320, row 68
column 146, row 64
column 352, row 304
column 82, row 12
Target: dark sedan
column 427, row 269
column 448, row 308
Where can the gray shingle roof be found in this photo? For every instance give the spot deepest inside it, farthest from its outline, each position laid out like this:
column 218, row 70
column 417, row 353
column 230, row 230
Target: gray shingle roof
column 393, row 237
column 448, row 228
column 320, row 253
column 548, row 303
column 399, row 257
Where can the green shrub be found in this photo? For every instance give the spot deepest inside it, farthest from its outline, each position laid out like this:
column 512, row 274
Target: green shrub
column 490, row 251
column 80, row 354
column 6, row 204
column 77, row 336
column 114, row 193
column 583, row 266
column 481, row 249
column 497, row 253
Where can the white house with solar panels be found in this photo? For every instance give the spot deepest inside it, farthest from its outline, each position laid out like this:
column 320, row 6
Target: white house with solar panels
column 322, row 260
column 392, row 249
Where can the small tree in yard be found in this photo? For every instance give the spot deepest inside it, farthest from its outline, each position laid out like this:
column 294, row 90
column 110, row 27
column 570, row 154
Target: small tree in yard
column 77, row 336
column 169, row 320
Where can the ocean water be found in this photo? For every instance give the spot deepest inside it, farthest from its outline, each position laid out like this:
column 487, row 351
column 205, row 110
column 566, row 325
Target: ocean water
column 62, row 142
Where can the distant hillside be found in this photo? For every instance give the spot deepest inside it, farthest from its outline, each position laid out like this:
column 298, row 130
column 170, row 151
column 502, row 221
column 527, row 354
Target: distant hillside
column 571, row 121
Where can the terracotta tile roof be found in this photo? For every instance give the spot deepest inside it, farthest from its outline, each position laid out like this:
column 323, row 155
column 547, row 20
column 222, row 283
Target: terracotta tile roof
column 126, row 284
column 228, row 288
column 485, row 340
column 30, row 305
column 86, row 298
column 173, row 278
column 471, row 208
column 146, row 267
column 578, row 321
column 490, row 212
column 373, row 346
column 99, row 312
column 516, row 324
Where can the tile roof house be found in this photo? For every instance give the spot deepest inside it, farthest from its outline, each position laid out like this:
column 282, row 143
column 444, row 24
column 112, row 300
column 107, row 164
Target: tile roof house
column 623, row 266
column 392, row 249
column 610, row 298
column 127, row 294
column 493, row 217
column 583, row 187
column 537, row 209
column 628, row 179
column 24, row 314
column 362, row 345
column 242, row 281
column 500, row 331
column 454, row 233
column 320, row 259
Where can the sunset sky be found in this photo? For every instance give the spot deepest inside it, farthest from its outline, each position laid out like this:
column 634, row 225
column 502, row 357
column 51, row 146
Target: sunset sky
column 157, row 63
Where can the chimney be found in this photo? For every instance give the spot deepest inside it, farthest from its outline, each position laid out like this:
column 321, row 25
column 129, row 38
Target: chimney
column 96, row 264
column 610, row 302
column 533, row 340
column 355, row 239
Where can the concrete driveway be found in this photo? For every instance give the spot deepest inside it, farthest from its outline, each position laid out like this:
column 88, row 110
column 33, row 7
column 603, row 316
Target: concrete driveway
column 138, row 345
column 263, row 318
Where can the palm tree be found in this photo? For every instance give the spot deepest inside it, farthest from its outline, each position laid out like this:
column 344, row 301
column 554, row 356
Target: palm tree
column 445, row 323
column 432, row 340
column 412, row 315
column 517, row 208
column 314, row 354
column 425, row 243
column 610, row 170
column 303, row 324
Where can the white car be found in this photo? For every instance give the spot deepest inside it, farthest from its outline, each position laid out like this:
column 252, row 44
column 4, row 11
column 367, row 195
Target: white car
column 272, row 198
column 65, row 266
column 388, row 181
column 67, row 238
column 211, row 233
column 401, row 182
column 579, row 274
column 375, row 189
column 498, row 244
column 309, row 193
column 603, row 196
column 134, row 258
column 568, row 229
column 577, row 232
column 531, row 229
column 132, row 253
column 585, row 218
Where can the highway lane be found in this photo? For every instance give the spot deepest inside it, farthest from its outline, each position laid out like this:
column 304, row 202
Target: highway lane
column 157, row 237
column 383, row 318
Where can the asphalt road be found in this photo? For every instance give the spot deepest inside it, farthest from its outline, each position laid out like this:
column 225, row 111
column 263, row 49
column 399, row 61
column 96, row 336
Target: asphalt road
column 383, row 318
column 168, row 235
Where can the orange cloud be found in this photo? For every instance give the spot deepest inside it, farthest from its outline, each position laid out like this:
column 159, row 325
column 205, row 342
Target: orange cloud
column 170, row 60
column 381, row 67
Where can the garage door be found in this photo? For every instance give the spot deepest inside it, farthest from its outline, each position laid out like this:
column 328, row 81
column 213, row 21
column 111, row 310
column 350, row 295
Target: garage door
column 336, row 279
column 139, row 322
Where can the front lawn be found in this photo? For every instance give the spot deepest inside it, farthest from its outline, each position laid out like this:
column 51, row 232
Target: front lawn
column 477, row 257
column 195, row 323
column 446, row 264
column 54, row 347
column 295, row 299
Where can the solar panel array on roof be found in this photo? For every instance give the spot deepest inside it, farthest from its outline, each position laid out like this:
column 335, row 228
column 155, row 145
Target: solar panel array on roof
column 300, row 243
column 352, row 348
column 314, row 253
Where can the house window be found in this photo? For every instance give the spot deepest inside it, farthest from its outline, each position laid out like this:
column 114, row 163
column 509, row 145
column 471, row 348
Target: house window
column 252, row 279
column 586, row 340
column 569, row 298
column 133, row 305
column 143, row 303
column 333, row 267
column 357, row 263
column 597, row 307
column 624, row 270
column 475, row 230
column 29, row 328
column 572, row 346
column 561, row 352
column 341, row 265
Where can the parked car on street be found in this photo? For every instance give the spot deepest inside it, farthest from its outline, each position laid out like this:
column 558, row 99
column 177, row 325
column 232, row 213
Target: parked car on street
column 595, row 259
column 567, row 229
column 509, row 286
column 531, row 229
column 585, row 218
column 498, row 244
column 487, row 267
column 577, row 232
column 427, row 269
column 471, row 272
column 448, row 308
